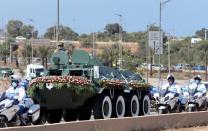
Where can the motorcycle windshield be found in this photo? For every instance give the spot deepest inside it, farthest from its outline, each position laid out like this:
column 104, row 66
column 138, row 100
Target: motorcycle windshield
column 191, row 92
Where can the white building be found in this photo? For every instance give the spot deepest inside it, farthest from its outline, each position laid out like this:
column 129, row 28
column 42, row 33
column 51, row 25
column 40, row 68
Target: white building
column 195, row 40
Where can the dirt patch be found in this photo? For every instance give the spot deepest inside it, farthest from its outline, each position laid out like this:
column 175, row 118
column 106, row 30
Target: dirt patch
column 4, row 85
column 190, row 129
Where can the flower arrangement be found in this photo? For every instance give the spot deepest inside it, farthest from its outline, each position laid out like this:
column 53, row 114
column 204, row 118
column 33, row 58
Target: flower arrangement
column 136, row 85
column 115, row 84
column 77, row 83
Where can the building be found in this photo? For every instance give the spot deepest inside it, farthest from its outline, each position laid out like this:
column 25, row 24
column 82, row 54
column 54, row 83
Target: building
column 195, row 40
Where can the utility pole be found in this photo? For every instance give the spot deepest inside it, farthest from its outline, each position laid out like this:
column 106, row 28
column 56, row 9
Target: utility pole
column 57, row 26
column 94, row 42
column 205, row 34
column 162, row 3
column 169, row 53
column 120, row 40
column 32, row 41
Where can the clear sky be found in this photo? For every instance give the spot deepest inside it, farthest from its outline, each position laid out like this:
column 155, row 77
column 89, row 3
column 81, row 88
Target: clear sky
column 180, row 17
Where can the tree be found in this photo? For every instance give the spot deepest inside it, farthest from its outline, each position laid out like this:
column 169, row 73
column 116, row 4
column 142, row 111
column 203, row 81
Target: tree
column 113, row 29
column 4, row 51
column 14, row 28
column 109, row 56
column 65, row 33
column 17, row 28
column 27, row 52
column 203, row 52
column 28, row 32
column 44, row 52
column 86, row 40
column 201, row 33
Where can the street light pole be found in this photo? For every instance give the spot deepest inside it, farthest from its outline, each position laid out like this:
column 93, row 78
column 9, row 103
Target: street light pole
column 32, row 41
column 93, row 44
column 169, row 53
column 120, row 41
column 162, row 3
column 57, row 26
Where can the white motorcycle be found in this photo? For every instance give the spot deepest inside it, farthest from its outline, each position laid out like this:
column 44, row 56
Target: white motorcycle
column 9, row 113
column 197, row 102
column 169, row 103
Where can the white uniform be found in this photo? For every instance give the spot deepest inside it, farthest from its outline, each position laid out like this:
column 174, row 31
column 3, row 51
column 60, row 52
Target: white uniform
column 198, row 87
column 173, row 88
column 18, row 93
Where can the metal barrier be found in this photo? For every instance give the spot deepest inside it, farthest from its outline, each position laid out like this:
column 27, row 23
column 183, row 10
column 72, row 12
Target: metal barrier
column 168, row 121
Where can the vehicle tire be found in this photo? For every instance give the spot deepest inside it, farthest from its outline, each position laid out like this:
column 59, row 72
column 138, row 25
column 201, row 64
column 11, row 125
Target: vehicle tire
column 102, row 108
column 120, row 106
column 132, row 106
column 144, row 106
column 161, row 112
column 190, row 109
column 41, row 120
column 70, row 115
column 85, row 114
column 3, row 123
column 54, row 116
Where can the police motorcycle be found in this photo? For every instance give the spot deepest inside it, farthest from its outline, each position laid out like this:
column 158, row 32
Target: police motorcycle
column 168, row 102
column 10, row 111
column 197, row 101
column 197, row 96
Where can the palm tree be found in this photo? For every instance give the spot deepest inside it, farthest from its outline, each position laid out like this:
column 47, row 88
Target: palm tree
column 4, row 51
column 27, row 53
column 44, row 52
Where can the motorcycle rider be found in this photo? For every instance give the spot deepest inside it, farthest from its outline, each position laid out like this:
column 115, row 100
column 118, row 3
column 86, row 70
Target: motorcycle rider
column 13, row 89
column 17, row 92
column 197, row 86
column 171, row 85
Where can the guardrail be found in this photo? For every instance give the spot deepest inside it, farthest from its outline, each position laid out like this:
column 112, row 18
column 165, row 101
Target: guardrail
column 168, row 121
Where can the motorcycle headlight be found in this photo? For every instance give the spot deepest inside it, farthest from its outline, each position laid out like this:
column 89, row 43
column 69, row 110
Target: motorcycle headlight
column 166, row 98
column 2, row 106
column 195, row 97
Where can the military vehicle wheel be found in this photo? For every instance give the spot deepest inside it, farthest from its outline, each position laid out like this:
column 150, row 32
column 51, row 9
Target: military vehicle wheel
column 132, row 106
column 70, row 115
column 41, row 120
column 145, row 105
column 103, row 107
column 120, row 106
column 54, row 116
column 85, row 114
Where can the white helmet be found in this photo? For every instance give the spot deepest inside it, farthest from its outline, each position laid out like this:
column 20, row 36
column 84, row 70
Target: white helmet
column 197, row 77
column 170, row 76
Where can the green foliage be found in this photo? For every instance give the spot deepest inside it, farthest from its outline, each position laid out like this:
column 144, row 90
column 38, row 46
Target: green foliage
column 17, row 28
column 86, row 41
column 65, row 33
column 201, row 33
column 78, row 89
column 14, row 28
column 27, row 52
column 44, row 52
column 113, row 29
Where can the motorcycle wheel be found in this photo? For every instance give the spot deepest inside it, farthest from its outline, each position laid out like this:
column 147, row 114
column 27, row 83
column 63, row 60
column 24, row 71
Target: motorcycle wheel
column 41, row 120
column 3, row 123
column 161, row 112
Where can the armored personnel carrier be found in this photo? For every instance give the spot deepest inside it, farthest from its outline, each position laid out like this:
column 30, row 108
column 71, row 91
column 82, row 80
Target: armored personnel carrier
column 78, row 87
